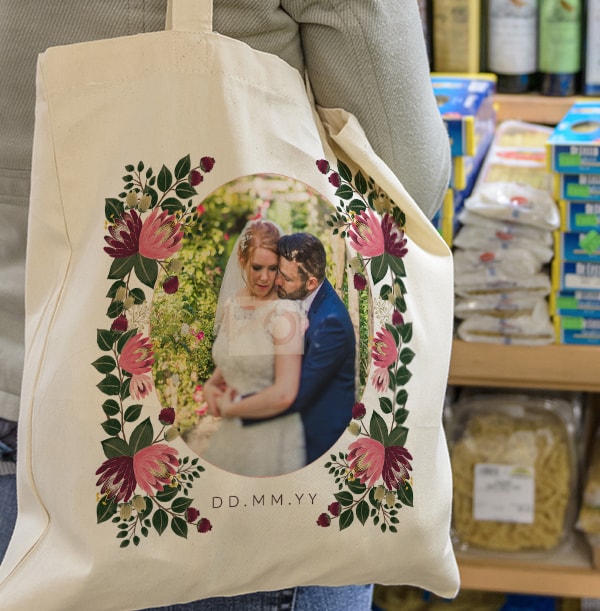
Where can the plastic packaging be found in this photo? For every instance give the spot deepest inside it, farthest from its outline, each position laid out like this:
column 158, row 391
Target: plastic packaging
column 499, row 306
column 514, row 464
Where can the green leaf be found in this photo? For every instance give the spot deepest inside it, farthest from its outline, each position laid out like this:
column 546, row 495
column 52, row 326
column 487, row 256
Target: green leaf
column 345, row 192
column 105, row 510
column 111, row 426
column 183, row 167
column 140, row 166
column 357, row 206
column 402, row 399
column 167, row 494
column 146, row 270
column 344, row 171
column 142, row 435
column 111, row 407
column 401, row 416
column 121, row 267
column 405, row 494
column 344, row 498
column 114, row 309
column 406, row 356
column 185, row 190
column 356, row 487
column 385, row 403
column 406, row 331
column 179, row 527
column 132, row 413
column 105, row 364
column 180, row 505
column 165, row 179
column 172, row 205
column 346, row 518
column 360, row 182
column 113, row 209
column 379, row 268
column 397, row 265
column 403, row 376
column 110, row 385
column 138, row 295
column 362, row 512
column 398, row 436
column 115, row 446
column 112, row 291
column 160, row 519
column 105, row 339
column 378, row 428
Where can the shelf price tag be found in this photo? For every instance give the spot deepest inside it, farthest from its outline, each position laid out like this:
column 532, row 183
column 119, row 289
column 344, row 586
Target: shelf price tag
column 504, row 493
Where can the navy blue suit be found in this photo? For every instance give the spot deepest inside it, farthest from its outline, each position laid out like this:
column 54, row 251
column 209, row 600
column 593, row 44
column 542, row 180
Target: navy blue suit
column 327, row 381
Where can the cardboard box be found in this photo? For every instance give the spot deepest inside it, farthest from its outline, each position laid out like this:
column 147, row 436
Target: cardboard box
column 577, row 245
column 579, row 216
column 577, row 330
column 467, row 107
column 577, row 187
column 575, row 303
column 575, row 275
column 574, row 145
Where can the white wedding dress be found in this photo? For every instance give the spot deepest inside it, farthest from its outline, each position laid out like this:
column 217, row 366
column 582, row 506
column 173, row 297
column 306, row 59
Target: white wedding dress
column 249, row 336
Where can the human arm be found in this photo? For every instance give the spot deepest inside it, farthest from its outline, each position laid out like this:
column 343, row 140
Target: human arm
column 271, row 401
column 369, row 58
column 214, row 388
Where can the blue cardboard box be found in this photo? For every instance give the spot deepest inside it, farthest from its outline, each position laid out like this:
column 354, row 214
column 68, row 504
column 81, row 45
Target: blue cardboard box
column 466, row 104
column 574, row 145
column 577, row 187
column 581, row 246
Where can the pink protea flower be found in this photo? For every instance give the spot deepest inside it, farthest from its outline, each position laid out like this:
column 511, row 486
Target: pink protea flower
column 396, row 466
column 124, row 237
column 366, row 234
column 154, row 466
column 384, row 352
column 161, row 235
column 140, row 386
column 366, row 459
column 393, row 237
column 117, row 478
column 137, row 355
column 381, row 379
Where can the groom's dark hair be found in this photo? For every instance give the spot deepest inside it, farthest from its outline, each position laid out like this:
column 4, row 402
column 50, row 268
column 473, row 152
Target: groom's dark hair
column 306, row 250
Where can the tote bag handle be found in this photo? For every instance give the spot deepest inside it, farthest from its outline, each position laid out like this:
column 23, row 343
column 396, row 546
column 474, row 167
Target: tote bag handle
column 189, row 15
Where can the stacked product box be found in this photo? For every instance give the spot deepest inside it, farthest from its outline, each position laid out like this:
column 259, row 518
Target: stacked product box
column 466, row 104
column 504, row 245
column 574, row 157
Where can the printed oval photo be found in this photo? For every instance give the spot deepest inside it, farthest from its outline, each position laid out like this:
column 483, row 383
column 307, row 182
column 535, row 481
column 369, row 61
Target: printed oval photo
column 262, row 347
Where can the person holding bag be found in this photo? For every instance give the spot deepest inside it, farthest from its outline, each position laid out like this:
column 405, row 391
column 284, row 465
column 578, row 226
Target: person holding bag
column 366, row 57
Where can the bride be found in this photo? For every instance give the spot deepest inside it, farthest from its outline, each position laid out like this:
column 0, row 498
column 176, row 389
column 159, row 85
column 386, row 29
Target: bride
column 258, row 355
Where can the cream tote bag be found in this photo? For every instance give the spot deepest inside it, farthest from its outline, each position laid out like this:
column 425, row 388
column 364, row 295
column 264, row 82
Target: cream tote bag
column 151, row 152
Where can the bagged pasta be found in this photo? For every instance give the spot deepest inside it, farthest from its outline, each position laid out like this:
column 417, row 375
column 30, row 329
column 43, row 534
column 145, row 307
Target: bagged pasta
column 514, row 466
column 494, row 264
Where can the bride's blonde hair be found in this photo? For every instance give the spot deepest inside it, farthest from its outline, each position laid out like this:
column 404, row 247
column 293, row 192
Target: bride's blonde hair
column 257, row 234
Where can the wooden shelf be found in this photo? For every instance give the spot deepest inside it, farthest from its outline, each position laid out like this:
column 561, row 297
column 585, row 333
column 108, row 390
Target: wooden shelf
column 555, row 367
column 566, row 574
column 533, row 108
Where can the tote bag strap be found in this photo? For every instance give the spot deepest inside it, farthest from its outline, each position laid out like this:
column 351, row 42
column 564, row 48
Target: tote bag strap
column 189, row 15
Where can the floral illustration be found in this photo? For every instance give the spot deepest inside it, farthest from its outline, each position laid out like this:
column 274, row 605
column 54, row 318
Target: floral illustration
column 374, row 476
column 144, row 483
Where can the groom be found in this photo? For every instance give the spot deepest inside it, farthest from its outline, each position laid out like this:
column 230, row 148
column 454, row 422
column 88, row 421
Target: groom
column 327, row 381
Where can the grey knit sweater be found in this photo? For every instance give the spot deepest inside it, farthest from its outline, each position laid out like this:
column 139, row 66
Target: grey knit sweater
column 367, row 56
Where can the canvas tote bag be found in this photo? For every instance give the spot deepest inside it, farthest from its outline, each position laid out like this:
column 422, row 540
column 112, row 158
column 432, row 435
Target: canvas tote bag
column 135, row 139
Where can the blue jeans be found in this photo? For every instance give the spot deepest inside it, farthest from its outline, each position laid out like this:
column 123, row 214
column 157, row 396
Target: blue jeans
column 313, row 598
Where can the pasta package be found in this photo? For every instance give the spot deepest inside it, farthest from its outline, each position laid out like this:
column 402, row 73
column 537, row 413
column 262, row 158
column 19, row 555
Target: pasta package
column 514, row 469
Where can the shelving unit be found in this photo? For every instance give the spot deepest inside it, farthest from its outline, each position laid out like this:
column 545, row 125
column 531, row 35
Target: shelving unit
column 567, row 572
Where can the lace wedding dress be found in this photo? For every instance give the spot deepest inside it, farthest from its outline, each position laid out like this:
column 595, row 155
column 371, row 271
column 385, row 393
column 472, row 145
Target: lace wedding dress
column 250, row 335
